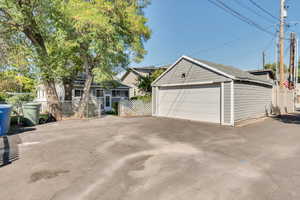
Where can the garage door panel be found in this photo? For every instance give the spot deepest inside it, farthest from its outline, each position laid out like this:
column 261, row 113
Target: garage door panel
column 200, row 103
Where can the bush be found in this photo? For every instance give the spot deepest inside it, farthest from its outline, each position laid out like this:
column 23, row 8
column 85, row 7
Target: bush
column 3, row 97
column 18, row 99
column 115, row 106
column 112, row 112
column 145, row 98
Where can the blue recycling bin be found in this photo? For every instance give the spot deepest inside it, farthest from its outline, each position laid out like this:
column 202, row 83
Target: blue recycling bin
column 5, row 111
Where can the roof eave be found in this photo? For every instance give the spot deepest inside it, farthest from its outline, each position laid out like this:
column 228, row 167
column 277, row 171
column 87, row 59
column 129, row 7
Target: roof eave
column 254, row 81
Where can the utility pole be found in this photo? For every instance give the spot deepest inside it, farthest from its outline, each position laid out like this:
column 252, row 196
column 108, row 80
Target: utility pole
column 297, row 61
column 263, row 59
column 283, row 15
column 292, row 60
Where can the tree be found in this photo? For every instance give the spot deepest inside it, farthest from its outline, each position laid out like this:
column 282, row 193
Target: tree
column 109, row 34
column 35, row 27
column 273, row 67
column 144, row 82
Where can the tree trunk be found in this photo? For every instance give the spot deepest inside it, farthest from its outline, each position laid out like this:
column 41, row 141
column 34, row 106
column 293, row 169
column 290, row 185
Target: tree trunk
column 83, row 104
column 68, row 87
column 85, row 96
column 52, row 100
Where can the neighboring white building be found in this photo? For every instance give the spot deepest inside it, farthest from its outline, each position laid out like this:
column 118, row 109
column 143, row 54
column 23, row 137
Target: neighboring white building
column 133, row 74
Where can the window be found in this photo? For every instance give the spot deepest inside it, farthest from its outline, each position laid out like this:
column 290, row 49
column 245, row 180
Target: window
column 99, row 93
column 78, row 92
column 183, row 75
column 126, row 93
column 116, row 93
column 120, row 93
column 107, row 101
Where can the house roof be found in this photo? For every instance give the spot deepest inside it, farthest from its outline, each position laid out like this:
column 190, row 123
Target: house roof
column 140, row 70
column 228, row 71
column 262, row 72
column 109, row 84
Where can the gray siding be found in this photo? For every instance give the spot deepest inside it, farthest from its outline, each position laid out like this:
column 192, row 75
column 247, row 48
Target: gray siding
column 251, row 100
column 154, row 100
column 193, row 73
column 227, row 102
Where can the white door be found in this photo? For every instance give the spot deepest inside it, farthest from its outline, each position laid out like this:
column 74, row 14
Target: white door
column 201, row 103
column 107, row 102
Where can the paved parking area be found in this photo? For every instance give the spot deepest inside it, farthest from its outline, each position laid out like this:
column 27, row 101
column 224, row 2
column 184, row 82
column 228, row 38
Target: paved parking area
column 155, row 159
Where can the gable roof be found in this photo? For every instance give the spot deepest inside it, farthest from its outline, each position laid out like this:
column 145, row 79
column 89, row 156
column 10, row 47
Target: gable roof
column 139, row 70
column 263, row 72
column 227, row 71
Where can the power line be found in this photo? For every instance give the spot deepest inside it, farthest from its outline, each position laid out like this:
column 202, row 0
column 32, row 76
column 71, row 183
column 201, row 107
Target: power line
column 253, row 11
column 264, row 10
column 235, row 13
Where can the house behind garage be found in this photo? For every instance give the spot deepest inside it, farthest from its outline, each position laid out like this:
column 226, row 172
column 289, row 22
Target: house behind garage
column 198, row 90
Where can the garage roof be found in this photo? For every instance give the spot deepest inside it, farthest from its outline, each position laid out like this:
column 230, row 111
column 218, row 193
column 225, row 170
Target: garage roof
column 228, row 71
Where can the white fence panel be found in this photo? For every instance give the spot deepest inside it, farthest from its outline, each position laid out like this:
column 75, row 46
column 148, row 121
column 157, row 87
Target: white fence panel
column 135, row 108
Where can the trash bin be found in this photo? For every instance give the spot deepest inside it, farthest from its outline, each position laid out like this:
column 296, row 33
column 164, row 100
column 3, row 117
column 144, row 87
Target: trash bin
column 5, row 111
column 31, row 113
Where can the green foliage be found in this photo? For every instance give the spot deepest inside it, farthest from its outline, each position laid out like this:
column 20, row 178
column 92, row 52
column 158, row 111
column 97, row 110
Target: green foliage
column 19, row 99
column 3, row 97
column 157, row 73
column 109, row 33
column 145, row 98
column 12, row 81
column 35, row 35
column 273, row 67
column 115, row 106
column 112, row 112
column 144, row 82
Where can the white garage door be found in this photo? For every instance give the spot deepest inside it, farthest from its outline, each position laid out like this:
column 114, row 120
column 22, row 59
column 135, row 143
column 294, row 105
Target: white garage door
column 201, row 103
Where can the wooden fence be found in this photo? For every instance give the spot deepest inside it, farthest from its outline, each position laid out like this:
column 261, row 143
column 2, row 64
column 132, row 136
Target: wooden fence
column 70, row 107
column 135, row 108
column 283, row 100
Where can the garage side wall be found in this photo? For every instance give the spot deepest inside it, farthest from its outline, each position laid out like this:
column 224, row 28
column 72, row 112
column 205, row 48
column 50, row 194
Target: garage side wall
column 227, row 102
column 251, row 100
column 193, row 73
column 154, row 96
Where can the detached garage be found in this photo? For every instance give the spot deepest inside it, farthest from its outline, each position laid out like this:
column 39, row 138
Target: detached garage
column 203, row 91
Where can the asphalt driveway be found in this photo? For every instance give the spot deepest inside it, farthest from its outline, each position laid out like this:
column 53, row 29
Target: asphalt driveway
column 155, row 159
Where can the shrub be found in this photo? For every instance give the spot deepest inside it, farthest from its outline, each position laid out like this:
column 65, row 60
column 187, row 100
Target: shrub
column 115, row 106
column 145, row 98
column 20, row 98
column 3, row 97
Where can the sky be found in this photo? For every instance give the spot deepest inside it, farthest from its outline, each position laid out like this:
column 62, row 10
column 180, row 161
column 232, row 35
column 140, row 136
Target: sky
column 199, row 29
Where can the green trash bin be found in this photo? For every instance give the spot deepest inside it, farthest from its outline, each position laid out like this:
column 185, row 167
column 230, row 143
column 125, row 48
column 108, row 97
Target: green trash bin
column 31, row 113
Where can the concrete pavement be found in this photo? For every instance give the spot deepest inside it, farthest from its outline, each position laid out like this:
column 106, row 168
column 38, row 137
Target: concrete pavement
column 155, row 159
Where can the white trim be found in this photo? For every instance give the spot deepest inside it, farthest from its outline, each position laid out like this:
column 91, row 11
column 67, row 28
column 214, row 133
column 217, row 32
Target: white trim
column 153, row 100
column 192, row 120
column 108, row 108
column 208, row 67
column 254, row 81
column 227, row 124
column 232, row 103
column 197, row 62
column 222, row 103
column 177, row 61
column 157, row 101
column 183, row 84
